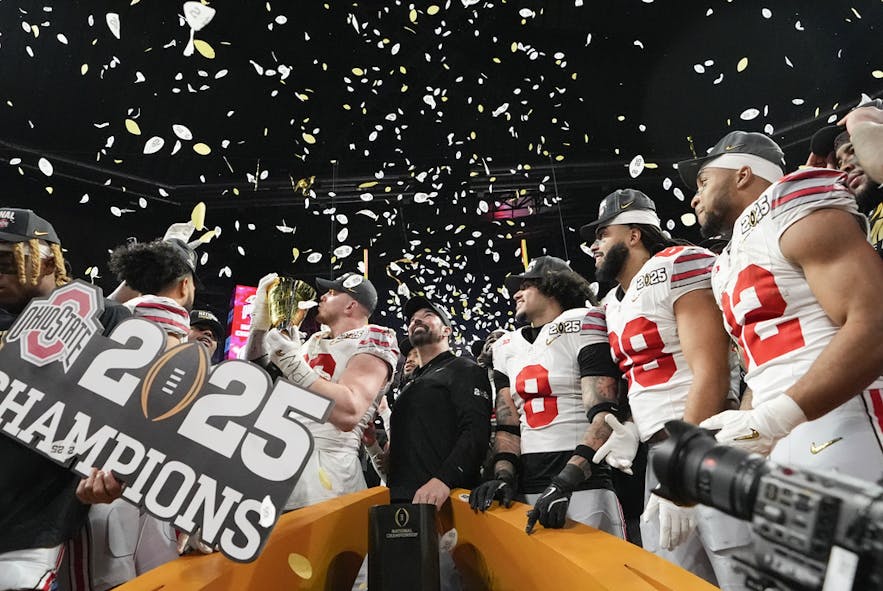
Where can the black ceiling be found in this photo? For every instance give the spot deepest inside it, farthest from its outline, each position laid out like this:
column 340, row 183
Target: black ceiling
column 423, row 116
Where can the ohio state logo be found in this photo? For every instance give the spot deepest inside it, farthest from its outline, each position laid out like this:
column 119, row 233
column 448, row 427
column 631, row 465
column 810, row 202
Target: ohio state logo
column 58, row 327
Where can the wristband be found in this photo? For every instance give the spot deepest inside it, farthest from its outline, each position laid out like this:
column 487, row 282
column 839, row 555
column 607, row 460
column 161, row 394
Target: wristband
column 506, row 457
column 585, row 452
column 511, row 429
column 610, row 407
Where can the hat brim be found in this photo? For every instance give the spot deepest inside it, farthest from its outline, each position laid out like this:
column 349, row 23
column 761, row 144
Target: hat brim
column 419, row 302
column 689, row 169
column 16, row 238
column 326, row 284
column 822, row 142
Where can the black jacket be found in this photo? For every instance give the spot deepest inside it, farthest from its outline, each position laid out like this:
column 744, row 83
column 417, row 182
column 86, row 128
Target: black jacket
column 440, row 427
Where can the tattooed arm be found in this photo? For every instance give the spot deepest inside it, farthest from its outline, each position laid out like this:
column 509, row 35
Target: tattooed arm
column 597, row 390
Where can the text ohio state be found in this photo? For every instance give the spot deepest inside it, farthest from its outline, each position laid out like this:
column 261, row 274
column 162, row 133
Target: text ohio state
column 168, row 489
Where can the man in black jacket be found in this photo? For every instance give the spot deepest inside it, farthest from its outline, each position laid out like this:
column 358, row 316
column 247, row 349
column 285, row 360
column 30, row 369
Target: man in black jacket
column 441, row 420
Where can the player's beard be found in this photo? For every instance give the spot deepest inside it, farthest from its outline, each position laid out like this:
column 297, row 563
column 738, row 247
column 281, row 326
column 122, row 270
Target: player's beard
column 613, row 263
column 713, row 225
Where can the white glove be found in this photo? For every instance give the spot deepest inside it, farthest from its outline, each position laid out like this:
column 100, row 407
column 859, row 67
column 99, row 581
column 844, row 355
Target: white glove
column 757, row 430
column 260, row 313
column 620, row 448
column 285, row 354
column 676, row 523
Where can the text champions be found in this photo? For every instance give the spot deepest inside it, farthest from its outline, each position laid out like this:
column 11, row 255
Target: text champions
column 215, row 449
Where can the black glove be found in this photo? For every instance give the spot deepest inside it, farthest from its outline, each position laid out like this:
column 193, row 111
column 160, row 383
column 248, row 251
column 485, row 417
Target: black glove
column 501, row 488
column 551, row 508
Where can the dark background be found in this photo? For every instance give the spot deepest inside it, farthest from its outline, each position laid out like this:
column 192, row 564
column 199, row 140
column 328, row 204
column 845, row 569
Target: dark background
column 457, row 187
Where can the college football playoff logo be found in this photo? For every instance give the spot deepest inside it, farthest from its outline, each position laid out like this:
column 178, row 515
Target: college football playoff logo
column 58, row 327
column 402, row 517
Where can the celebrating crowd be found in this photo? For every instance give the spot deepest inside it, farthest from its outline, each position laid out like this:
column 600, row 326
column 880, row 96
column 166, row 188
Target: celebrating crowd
column 773, row 344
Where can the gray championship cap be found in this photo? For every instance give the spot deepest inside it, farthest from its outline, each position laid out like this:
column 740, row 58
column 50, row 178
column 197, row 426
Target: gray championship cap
column 355, row 285
column 623, row 206
column 737, row 149
column 536, row 269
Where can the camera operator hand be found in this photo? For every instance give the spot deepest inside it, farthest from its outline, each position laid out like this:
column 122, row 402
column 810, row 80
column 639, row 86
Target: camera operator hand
column 620, row 448
column 757, row 430
column 676, row 523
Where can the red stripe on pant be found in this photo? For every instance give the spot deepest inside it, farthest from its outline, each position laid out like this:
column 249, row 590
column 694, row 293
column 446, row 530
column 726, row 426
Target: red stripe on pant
column 877, row 402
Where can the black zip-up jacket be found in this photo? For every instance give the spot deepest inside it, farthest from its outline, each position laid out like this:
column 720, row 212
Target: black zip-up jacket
column 440, row 427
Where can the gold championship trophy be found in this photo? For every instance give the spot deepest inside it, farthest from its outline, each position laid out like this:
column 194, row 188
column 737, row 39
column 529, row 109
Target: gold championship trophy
column 284, row 298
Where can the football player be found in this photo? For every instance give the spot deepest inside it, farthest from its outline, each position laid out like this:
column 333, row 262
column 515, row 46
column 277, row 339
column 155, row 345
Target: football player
column 799, row 286
column 556, row 383
column 665, row 333
column 350, row 361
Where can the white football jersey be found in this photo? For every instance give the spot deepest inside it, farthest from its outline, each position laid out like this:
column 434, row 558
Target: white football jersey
column 767, row 304
column 544, row 379
column 644, row 337
column 329, row 357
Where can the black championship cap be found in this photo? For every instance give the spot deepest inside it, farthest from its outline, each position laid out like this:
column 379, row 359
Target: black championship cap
column 536, row 269
column 831, row 137
column 736, row 149
column 208, row 319
column 355, row 285
column 623, row 206
column 20, row 225
column 418, row 303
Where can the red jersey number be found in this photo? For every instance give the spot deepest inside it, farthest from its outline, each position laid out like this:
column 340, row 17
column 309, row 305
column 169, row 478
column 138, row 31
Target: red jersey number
column 324, row 365
column 540, row 407
column 786, row 336
column 640, row 356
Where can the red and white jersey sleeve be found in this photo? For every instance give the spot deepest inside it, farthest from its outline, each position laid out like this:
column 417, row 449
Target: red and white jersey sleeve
column 329, row 357
column 544, row 378
column 644, row 339
column 767, row 304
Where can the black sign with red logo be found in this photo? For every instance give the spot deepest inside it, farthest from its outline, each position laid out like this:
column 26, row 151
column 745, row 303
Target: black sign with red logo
column 214, row 448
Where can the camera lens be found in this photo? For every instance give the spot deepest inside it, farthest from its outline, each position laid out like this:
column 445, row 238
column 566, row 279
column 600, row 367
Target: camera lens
column 693, row 468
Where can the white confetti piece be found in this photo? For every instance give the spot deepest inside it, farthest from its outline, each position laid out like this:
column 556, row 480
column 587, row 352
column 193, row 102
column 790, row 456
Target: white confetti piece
column 678, row 194
column 636, row 166
column 116, row 211
column 45, row 166
column 314, row 257
column 113, row 23
column 225, row 272
column 154, row 145
column 61, row 38
column 342, row 235
column 352, row 281
column 767, row 13
column 84, row 198
column 749, row 114
column 343, row 251
column 182, row 132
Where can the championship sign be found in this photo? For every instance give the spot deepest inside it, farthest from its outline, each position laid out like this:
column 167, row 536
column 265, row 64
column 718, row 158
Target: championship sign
column 216, row 449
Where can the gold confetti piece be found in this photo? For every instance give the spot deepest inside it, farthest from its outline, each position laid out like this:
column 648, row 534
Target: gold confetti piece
column 204, row 49
column 432, row 10
column 49, row 190
column 83, row 69
column 651, row 165
column 743, row 63
column 197, row 216
column 309, row 138
column 368, row 184
column 358, row 71
column 295, row 252
column 201, row 149
column 132, row 127
column 346, row 107
column 300, row 565
column 514, row 46
column 413, row 15
column 207, row 236
column 877, row 73
column 496, row 60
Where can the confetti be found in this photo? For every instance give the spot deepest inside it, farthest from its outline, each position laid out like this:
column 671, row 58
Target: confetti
column 300, row 565
column 45, row 166
column 132, row 127
column 201, row 149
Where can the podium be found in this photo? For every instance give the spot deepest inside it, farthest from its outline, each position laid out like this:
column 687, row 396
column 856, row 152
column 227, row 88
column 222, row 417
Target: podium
column 402, row 548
